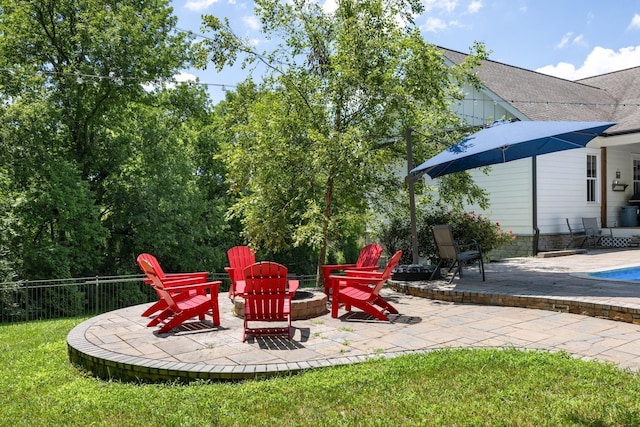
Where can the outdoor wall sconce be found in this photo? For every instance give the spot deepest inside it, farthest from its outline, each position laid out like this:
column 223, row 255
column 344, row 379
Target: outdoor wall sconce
column 617, row 185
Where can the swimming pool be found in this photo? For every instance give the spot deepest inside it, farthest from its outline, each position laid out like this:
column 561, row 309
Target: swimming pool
column 628, row 274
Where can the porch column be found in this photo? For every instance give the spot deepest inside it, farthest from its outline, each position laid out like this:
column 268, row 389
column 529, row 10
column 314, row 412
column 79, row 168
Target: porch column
column 603, row 187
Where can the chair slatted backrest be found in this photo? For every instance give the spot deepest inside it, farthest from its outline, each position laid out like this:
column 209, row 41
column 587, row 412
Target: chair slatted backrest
column 239, row 258
column 386, row 274
column 153, row 274
column 266, row 295
column 369, row 255
column 443, row 236
column 153, row 261
column 591, row 226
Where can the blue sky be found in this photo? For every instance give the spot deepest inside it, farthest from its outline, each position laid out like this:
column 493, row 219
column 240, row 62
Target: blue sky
column 571, row 39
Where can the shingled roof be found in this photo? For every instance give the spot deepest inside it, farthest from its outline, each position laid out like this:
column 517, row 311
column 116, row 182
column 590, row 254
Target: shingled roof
column 608, row 97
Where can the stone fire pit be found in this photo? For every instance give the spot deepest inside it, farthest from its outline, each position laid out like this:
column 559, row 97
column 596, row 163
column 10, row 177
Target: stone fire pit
column 306, row 304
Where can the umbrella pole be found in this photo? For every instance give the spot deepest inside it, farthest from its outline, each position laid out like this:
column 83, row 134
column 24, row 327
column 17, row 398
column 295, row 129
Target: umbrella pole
column 412, row 199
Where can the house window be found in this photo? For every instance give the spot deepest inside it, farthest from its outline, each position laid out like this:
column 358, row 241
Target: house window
column 636, row 176
column 592, row 178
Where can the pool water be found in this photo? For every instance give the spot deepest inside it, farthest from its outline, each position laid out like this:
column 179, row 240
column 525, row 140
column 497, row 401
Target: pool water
column 630, row 274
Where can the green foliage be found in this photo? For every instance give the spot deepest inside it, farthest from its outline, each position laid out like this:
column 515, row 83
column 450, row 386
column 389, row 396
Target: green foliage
column 99, row 162
column 60, row 234
column 455, row 387
column 310, row 148
column 396, row 234
column 166, row 196
column 9, row 265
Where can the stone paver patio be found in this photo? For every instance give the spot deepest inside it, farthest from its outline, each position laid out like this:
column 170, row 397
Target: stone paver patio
column 533, row 303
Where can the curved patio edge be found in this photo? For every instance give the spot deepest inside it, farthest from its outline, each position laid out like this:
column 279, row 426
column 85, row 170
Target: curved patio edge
column 108, row 364
column 433, row 315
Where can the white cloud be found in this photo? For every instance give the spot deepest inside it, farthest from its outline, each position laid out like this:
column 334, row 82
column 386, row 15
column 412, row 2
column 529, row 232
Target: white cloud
column 599, row 61
column 635, row 23
column 184, row 77
column 436, row 25
column 590, row 17
column 329, row 6
column 251, row 22
column 178, row 78
column 564, row 41
column 579, row 40
column 444, row 5
column 523, row 7
column 474, row 6
column 570, row 39
column 196, row 5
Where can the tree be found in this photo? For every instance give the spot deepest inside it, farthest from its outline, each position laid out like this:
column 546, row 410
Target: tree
column 167, row 196
column 311, row 148
column 73, row 75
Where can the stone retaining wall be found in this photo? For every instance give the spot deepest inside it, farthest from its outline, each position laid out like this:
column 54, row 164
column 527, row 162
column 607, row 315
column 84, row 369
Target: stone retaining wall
column 605, row 311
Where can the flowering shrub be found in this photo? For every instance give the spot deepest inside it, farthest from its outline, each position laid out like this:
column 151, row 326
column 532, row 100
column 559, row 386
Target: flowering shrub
column 466, row 226
column 396, row 235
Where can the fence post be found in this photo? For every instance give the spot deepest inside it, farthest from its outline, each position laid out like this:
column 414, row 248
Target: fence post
column 26, row 301
column 97, row 307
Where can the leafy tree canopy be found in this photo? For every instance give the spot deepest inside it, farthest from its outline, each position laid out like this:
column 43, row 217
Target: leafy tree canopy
column 98, row 161
column 313, row 146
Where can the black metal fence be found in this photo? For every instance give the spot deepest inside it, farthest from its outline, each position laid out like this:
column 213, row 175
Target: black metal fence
column 25, row 301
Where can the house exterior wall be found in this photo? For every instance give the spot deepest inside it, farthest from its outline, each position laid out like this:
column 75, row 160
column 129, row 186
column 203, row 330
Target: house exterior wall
column 562, row 190
column 561, row 195
column 510, row 190
column 561, row 180
column 619, row 158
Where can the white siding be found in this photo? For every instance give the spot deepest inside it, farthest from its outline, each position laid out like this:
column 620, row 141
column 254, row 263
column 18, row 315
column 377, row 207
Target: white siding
column 480, row 107
column 562, row 189
column 510, row 195
column 560, row 177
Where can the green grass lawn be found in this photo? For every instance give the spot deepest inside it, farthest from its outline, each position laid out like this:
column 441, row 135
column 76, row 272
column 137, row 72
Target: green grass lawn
column 38, row 387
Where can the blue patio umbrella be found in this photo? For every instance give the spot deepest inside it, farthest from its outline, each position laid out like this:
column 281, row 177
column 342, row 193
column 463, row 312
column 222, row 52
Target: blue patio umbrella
column 506, row 141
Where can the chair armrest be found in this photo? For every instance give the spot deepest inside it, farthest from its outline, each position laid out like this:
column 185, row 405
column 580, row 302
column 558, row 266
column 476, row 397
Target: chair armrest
column 364, row 273
column 473, row 243
column 352, row 280
column 293, row 286
column 338, row 266
column 593, row 232
column 328, row 268
column 195, row 286
column 371, row 268
column 172, row 278
column 194, row 275
column 580, row 232
column 237, row 287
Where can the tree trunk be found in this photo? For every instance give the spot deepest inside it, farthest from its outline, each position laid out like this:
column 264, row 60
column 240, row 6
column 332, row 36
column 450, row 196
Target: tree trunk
column 326, row 216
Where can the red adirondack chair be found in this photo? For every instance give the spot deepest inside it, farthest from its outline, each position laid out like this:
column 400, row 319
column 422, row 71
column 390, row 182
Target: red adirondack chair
column 361, row 289
column 367, row 261
column 205, row 301
column 239, row 258
column 167, row 279
column 267, row 298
